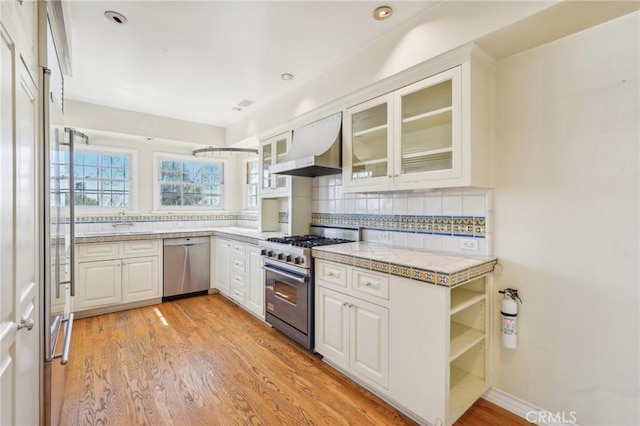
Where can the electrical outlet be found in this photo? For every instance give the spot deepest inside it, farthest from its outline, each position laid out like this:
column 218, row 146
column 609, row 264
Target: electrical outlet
column 469, row 244
column 384, row 236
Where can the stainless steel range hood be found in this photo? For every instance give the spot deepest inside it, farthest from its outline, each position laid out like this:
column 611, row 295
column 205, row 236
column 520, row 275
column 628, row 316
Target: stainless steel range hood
column 315, row 150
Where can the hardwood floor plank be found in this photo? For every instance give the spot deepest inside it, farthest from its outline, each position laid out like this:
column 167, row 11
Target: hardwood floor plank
column 205, row 361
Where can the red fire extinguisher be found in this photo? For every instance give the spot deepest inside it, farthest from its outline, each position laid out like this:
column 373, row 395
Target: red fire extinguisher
column 509, row 311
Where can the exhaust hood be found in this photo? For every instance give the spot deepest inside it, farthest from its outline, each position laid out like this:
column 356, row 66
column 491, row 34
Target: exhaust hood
column 315, row 150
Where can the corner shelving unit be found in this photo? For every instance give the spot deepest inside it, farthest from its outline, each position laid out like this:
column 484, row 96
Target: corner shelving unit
column 468, row 315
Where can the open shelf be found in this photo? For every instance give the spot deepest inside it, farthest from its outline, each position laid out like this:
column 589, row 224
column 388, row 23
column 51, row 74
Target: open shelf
column 465, row 390
column 462, row 298
column 462, row 339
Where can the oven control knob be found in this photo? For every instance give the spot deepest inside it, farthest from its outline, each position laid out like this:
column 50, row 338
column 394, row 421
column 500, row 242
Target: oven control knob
column 263, row 252
column 298, row 260
column 270, row 253
column 280, row 256
column 289, row 258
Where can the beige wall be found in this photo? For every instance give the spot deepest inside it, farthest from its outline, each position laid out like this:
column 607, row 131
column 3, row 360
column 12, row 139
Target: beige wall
column 145, row 150
column 103, row 118
column 566, row 193
column 437, row 31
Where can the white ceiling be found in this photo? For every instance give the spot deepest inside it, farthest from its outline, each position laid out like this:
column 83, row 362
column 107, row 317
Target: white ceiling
column 195, row 60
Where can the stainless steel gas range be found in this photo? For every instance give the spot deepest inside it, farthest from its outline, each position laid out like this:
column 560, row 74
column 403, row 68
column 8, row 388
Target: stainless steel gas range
column 289, row 279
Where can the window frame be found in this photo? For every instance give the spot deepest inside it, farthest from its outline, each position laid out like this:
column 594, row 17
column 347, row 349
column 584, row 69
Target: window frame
column 245, row 185
column 157, row 197
column 133, row 178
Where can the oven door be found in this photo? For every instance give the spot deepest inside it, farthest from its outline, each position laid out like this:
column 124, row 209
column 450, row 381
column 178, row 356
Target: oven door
column 287, row 296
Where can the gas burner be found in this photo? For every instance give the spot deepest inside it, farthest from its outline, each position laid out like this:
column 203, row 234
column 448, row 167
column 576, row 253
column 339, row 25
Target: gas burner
column 317, row 242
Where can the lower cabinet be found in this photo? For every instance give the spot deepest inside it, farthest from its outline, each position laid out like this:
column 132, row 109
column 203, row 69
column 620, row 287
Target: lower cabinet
column 420, row 346
column 239, row 274
column 255, row 282
column 354, row 334
column 99, row 284
column 112, row 274
column 223, row 258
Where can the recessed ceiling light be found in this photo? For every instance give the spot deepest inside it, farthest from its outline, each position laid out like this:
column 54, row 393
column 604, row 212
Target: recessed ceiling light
column 382, row 13
column 236, row 108
column 115, row 17
column 286, row 76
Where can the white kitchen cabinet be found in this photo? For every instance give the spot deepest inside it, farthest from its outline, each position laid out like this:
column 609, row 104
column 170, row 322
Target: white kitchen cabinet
column 223, row 259
column 433, row 133
column 117, row 275
column 239, row 274
column 140, row 278
column 422, row 347
column 353, row 334
column 273, row 151
column 99, row 284
column 255, row 282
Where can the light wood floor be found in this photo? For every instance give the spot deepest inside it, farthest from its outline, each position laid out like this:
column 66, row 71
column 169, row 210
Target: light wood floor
column 204, row 361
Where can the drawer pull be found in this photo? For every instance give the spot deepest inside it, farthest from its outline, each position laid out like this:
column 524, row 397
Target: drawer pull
column 368, row 284
column 331, row 274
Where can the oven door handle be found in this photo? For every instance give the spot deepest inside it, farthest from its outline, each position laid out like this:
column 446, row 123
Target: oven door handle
column 281, row 272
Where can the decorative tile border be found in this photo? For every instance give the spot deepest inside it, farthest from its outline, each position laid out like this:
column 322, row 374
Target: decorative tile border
column 424, row 275
column 458, row 226
column 283, row 217
column 247, row 216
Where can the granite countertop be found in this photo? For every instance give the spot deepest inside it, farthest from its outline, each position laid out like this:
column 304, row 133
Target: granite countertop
column 243, row 234
column 447, row 269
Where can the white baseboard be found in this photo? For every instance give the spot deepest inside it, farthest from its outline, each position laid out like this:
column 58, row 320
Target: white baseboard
column 529, row 412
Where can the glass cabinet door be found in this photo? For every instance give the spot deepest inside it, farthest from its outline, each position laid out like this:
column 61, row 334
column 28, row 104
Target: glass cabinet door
column 267, row 161
column 429, row 133
column 273, row 152
column 282, row 146
column 369, row 154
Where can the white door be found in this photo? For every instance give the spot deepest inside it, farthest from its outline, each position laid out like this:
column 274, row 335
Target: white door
column 255, row 287
column 369, row 351
column 223, row 259
column 140, row 278
column 332, row 326
column 99, row 284
column 19, row 252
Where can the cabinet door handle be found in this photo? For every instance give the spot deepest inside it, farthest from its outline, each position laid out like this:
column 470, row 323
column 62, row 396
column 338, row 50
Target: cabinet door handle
column 345, row 304
column 351, row 305
column 26, row 323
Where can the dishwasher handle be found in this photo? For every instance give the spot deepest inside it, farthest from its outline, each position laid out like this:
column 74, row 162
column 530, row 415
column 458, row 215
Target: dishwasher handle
column 189, row 241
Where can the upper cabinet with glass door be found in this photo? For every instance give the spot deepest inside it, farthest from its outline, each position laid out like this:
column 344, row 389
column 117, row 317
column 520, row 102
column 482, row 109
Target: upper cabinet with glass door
column 272, row 151
column 423, row 135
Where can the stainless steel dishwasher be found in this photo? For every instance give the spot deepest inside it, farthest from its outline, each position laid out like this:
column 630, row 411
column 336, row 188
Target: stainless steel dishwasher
column 186, row 266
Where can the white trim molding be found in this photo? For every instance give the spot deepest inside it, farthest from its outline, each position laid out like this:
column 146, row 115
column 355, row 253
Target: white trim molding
column 531, row 413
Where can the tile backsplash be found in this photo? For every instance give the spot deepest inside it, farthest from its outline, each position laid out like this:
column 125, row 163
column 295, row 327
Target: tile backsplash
column 432, row 219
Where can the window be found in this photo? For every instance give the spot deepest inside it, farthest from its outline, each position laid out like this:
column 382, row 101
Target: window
column 194, row 183
column 101, row 178
column 252, row 180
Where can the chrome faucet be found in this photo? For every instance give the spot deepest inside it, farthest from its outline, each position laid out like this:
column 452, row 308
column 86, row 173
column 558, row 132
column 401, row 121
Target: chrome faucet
column 122, row 221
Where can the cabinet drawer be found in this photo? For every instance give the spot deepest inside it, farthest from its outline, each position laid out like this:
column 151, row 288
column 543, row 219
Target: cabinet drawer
column 334, row 274
column 238, row 295
column 99, row 250
column 371, row 284
column 238, row 248
column 238, row 264
column 141, row 247
column 238, row 281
